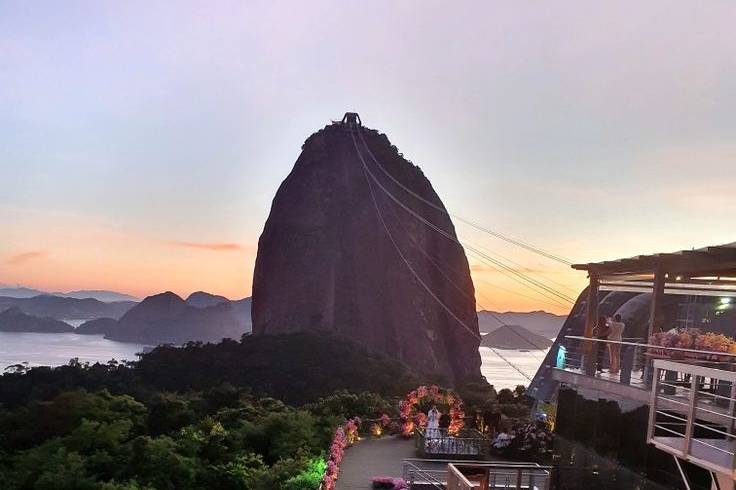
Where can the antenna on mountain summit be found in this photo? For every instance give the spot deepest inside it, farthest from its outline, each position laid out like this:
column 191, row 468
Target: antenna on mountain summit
column 351, row 119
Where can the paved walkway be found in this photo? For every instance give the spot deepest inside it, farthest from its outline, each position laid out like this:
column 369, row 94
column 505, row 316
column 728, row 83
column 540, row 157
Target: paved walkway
column 373, row 457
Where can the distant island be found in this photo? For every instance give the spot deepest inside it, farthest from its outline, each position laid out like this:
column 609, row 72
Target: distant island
column 159, row 319
column 14, row 320
column 515, row 337
column 66, row 308
column 98, row 294
column 98, row 326
column 540, row 322
column 167, row 318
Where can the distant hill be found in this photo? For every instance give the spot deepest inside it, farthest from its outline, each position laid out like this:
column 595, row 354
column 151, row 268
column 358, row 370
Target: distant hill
column 100, row 295
column 98, row 326
column 241, row 307
column 201, row 299
column 515, row 337
column 162, row 318
column 167, row 318
column 541, row 323
column 20, row 292
column 14, row 320
column 66, row 308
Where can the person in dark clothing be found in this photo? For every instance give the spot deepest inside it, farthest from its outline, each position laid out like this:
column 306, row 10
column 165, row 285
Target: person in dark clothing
column 601, row 332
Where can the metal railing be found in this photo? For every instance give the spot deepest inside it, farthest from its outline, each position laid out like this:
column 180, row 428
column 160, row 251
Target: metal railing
column 630, row 361
column 414, row 474
column 692, row 414
column 456, row 480
column 477, row 475
column 468, row 443
column 490, row 476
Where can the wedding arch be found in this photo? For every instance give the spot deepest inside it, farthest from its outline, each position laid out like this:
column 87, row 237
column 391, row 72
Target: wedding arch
column 414, row 407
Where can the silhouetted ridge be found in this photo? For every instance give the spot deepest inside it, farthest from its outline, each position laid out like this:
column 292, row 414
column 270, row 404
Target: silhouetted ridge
column 167, row 318
column 14, row 320
column 201, row 299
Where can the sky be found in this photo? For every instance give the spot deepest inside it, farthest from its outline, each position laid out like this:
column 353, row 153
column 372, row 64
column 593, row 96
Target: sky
column 141, row 142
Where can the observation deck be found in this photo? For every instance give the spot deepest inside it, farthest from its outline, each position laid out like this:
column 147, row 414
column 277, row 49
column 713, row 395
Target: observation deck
column 689, row 385
column 692, row 415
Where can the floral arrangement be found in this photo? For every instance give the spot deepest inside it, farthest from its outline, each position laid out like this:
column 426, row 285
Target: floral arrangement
column 345, row 436
column 383, row 425
column 693, row 338
column 413, row 408
column 388, row 483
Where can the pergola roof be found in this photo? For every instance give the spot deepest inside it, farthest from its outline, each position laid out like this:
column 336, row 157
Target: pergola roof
column 717, row 260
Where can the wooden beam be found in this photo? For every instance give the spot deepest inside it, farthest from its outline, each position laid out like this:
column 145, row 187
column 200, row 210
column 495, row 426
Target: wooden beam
column 656, row 311
column 687, row 262
column 591, row 318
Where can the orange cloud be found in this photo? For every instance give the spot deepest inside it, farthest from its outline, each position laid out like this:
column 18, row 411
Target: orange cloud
column 24, row 257
column 209, row 246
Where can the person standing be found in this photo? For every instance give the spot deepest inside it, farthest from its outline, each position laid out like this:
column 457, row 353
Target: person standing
column 616, row 333
column 433, row 422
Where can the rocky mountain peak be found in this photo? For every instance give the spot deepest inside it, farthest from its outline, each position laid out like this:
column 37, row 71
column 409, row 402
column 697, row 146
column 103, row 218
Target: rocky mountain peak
column 332, row 259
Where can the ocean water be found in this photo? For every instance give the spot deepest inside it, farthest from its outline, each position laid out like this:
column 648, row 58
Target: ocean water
column 501, row 375
column 46, row 349
column 55, row 349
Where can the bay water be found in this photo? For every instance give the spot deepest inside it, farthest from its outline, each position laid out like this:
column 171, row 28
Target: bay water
column 54, row 349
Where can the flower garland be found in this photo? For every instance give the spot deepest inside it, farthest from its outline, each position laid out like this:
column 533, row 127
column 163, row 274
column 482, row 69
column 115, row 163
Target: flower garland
column 692, row 338
column 345, row 436
column 412, row 409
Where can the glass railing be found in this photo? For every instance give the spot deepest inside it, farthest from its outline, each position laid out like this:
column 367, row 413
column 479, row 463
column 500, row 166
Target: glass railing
column 630, row 361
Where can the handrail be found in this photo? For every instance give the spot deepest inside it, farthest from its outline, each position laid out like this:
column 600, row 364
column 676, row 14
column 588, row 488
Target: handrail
column 717, row 436
column 653, row 346
column 411, row 470
column 490, row 464
column 531, row 472
column 702, row 371
column 462, row 482
column 465, row 434
column 423, row 473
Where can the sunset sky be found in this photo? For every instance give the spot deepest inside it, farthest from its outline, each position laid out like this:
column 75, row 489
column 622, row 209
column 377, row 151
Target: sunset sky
column 141, row 143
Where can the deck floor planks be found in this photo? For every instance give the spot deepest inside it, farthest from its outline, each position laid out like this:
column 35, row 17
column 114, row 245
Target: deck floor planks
column 373, row 457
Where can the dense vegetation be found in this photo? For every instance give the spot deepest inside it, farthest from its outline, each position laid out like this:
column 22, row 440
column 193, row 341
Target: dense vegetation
column 295, row 368
column 256, row 414
column 222, row 438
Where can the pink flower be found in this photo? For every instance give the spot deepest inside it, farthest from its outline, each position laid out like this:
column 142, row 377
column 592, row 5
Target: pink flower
column 434, row 390
column 328, row 483
column 422, row 391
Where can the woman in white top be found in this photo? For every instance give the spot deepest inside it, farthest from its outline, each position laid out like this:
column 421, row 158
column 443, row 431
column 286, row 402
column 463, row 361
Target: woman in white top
column 616, row 334
column 433, row 422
